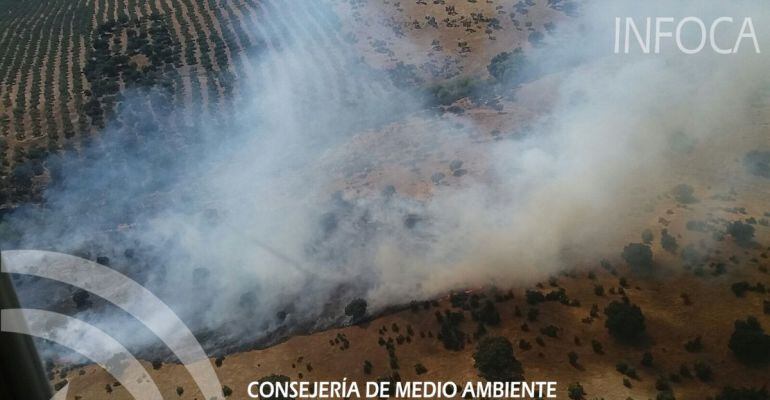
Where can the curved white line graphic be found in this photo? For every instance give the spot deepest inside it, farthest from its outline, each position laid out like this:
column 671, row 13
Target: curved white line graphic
column 126, row 294
column 87, row 340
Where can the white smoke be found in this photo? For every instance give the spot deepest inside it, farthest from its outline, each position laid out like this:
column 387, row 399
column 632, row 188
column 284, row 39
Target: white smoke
column 240, row 225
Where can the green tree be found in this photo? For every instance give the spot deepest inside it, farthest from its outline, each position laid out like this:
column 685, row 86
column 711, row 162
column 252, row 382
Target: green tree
column 749, row 342
column 575, row 391
column 495, row 360
column 638, row 256
column 625, row 321
column 356, row 309
column 508, row 66
column 743, row 233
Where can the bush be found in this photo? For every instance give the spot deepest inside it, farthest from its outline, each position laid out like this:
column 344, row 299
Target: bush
column 758, row 163
column 749, row 342
column 668, row 242
column 597, row 346
column 638, row 256
column 665, row 395
column 731, row 393
column 684, row 194
column 507, row 67
column 575, row 391
column 694, row 345
column 625, row 321
column 647, row 359
column 573, row 358
column 647, row 236
column 488, row 314
column 420, row 369
column 495, row 360
column 449, row 92
column 550, row 331
column 740, row 288
column 703, row 371
column 356, row 309
column 743, row 233
column 450, row 334
column 534, row 297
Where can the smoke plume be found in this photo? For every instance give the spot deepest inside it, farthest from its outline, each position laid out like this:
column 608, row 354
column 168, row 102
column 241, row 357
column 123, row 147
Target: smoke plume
column 255, row 231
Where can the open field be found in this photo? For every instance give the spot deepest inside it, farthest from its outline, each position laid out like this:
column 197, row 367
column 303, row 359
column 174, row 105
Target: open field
column 268, row 166
column 680, row 302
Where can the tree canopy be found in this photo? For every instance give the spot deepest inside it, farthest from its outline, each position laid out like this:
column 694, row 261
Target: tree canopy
column 495, row 360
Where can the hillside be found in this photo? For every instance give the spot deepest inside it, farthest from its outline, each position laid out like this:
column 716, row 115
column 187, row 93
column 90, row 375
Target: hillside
column 684, row 300
column 67, row 65
column 265, row 167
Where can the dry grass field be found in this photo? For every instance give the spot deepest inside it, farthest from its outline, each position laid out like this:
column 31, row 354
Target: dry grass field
column 679, row 303
column 65, row 65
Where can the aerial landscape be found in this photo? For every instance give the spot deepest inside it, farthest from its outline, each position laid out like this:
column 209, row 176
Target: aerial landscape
column 387, row 191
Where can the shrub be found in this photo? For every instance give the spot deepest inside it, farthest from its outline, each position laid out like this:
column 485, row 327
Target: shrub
column 624, row 321
column 668, row 242
column 575, row 391
column 743, row 233
column 367, row 367
column 731, row 393
column 495, row 360
column 647, row 236
column 684, row 194
column 532, row 314
column 534, row 297
column 694, row 345
column 449, row 92
column 597, row 346
column 550, row 331
column 488, row 314
column 507, row 66
column 758, row 163
column 59, row 385
column 647, row 359
column 638, row 255
column 420, row 369
column 573, row 358
column 621, row 367
column 665, row 395
column 450, row 334
column 740, row 288
column 749, row 342
column 356, row 309
column 703, row 371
